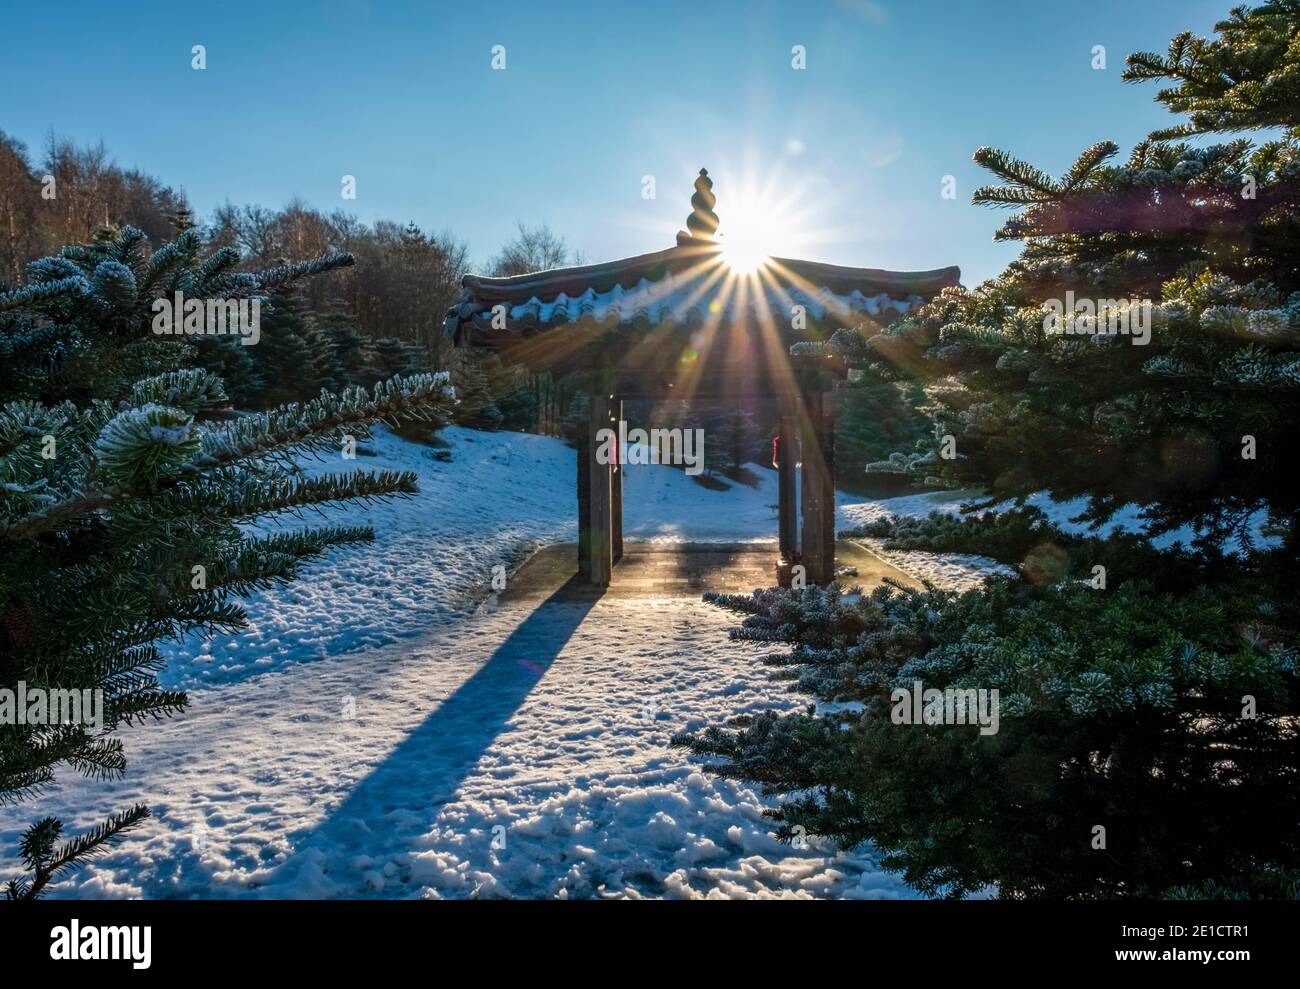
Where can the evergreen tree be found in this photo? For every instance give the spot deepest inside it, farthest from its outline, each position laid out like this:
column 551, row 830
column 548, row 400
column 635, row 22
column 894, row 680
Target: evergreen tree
column 388, row 356
column 518, row 400
column 334, row 329
column 512, row 393
column 1150, row 693
column 876, row 416
column 293, row 359
column 346, row 353
column 120, row 513
column 479, row 381
column 732, row 440
column 181, row 217
column 234, row 364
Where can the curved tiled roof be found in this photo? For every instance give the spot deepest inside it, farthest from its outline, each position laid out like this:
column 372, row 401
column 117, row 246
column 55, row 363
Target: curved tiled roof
column 686, row 285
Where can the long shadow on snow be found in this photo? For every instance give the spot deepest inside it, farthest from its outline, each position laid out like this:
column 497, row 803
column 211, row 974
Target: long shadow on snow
column 400, row 797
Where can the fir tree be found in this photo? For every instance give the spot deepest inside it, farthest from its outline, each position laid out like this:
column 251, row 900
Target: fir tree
column 293, row 359
column 181, row 217
column 388, row 356
column 875, row 417
column 1148, row 692
column 732, row 440
column 120, row 514
column 478, row 380
column 513, row 404
column 1092, row 413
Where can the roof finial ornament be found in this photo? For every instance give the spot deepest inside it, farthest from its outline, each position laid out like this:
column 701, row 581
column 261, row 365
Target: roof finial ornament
column 702, row 224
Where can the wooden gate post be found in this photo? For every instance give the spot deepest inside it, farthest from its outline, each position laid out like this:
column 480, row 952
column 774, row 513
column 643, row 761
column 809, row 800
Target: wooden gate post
column 817, row 550
column 586, row 446
column 616, row 490
column 828, row 458
column 787, row 445
column 599, row 533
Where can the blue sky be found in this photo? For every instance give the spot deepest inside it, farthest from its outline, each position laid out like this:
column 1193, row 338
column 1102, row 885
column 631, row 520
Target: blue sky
column 844, row 159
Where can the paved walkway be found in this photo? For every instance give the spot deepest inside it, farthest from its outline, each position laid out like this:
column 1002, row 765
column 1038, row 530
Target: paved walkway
column 677, row 570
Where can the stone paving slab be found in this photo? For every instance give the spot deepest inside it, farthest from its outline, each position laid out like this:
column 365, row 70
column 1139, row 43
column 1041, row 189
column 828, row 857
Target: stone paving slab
column 673, row 570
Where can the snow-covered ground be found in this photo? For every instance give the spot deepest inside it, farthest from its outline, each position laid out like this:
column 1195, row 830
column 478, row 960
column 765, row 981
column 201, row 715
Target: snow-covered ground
column 963, row 571
column 543, row 729
column 500, row 496
column 382, row 730
column 952, row 571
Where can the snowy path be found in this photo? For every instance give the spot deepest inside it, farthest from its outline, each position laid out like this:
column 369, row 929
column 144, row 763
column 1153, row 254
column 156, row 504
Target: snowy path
column 544, row 727
column 534, row 721
column 502, row 495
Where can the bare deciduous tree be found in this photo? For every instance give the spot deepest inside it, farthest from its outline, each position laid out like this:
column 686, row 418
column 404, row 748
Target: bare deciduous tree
column 534, row 249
